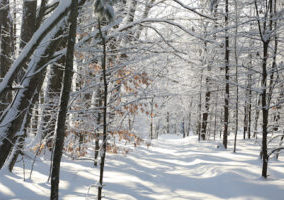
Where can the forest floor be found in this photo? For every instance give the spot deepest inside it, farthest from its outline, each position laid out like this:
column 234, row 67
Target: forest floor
column 171, row 169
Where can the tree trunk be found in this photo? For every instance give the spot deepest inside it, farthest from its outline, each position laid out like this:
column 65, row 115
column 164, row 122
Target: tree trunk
column 41, row 13
column 216, row 115
column 20, row 140
column 199, row 111
column 64, row 99
column 151, row 119
column 27, row 30
column 189, row 118
column 28, row 22
column 206, row 113
column 249, row 97
column 265, row 35
column 249, row 110
column 168, row 123
column 104, row 142
column 6, row 41
column 245, row 119
column 227, row 76
column 264, row 111
column 237, row 76
column 99, row 99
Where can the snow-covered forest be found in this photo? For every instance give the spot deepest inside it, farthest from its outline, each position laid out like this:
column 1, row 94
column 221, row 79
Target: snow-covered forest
column 141, row 99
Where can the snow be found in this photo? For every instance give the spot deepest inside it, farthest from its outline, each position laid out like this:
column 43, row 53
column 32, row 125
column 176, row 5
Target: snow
column 172, row 168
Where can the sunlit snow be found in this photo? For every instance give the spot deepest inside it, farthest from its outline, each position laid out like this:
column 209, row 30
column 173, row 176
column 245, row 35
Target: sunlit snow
column 172, row 168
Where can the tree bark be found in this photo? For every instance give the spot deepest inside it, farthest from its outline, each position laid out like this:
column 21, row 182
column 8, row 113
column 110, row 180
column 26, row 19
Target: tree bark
column 207, row 100
column 237, row 76
column 245, row 119
column 104, row 141
column 6, row 41
column 265, row 36
column 64, row 99
column 227, row 77
column 151, row 119
column 168, row 123
column 264, row 111
column 27, row 30
column 200, row 111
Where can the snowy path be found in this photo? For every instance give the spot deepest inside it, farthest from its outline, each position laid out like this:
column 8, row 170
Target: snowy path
column 176, row 169
column 172, row 169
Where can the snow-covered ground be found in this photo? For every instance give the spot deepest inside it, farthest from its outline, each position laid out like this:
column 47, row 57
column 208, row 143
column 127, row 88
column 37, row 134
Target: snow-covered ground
column 171, row 169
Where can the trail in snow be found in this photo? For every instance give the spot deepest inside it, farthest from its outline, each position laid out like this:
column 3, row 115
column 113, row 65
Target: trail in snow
column 171, row 169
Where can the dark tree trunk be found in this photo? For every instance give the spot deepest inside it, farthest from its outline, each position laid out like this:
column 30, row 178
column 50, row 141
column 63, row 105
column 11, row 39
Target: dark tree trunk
column 183, row 128
column 245, row 120
column 249, row 101
column 205, row 114
column 104, row 141
column 265, row 35
column 168, row 123
column 27, row 30
column 264, row 111
column 64, row 99
column 6, row 49
column 28, row 22
column 41, row 13
column 227, row 76
column 249, row 116
column 200, row 107
column 207, row 98
column 19, row 145
column 237, row 77
column 152, row 116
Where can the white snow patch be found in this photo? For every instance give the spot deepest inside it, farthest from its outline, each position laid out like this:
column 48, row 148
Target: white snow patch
column 172, row 168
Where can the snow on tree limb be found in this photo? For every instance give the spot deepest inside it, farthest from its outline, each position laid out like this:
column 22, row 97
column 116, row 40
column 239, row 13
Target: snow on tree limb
column 193, row 10
column 13, row 110
column 32, row 45
column 61, row 11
